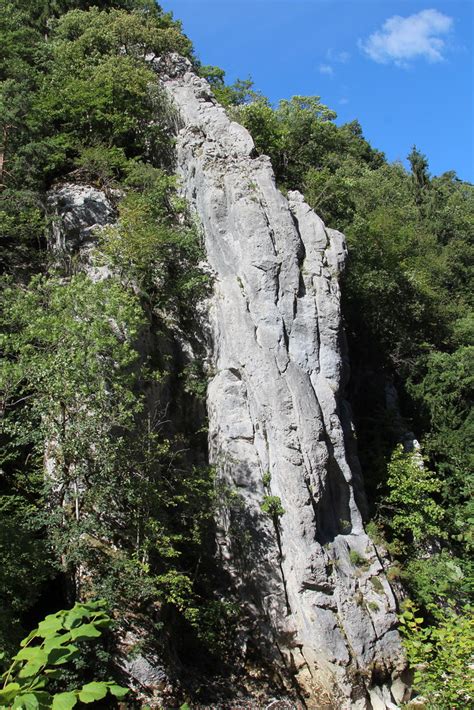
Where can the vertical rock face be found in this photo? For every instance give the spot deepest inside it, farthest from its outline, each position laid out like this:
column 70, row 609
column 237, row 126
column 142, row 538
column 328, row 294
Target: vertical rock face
column 291, row 532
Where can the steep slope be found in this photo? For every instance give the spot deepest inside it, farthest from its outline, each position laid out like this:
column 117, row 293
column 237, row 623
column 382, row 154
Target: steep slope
column 291, row 530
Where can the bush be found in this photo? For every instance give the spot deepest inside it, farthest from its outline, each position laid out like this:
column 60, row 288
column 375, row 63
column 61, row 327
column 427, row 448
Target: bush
column 358, row 560
column 412, row 512
column 441, row 656
column 272, row 507
column 27, row 680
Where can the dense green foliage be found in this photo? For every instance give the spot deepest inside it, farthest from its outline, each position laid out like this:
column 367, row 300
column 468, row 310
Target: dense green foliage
column 410, row 508
column 151, row 247
column 441, row 656
column 31, row 673
column 99, row 488
column 85, row 92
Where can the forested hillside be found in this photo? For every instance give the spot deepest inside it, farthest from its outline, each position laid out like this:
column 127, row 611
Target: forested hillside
column 104, row 495
column 124, row 500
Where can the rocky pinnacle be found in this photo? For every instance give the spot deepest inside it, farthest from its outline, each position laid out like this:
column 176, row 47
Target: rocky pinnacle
column 290, row 533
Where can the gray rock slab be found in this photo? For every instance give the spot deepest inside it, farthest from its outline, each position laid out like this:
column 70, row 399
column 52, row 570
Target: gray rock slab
column 278, row 425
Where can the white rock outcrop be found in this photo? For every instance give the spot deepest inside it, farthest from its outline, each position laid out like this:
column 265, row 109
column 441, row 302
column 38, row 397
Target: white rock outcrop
column 279, row 430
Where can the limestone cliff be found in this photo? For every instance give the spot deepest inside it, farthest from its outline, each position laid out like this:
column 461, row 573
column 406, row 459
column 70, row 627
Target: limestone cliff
column 279, row 429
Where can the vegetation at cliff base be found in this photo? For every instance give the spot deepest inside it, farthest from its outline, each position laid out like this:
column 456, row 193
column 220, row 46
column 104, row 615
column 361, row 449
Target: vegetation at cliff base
column 32, row 673
column 102, row 493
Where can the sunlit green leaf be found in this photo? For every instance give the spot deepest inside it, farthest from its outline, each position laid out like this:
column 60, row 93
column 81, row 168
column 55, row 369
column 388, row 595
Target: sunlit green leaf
column 64, row 701
column 92, row 692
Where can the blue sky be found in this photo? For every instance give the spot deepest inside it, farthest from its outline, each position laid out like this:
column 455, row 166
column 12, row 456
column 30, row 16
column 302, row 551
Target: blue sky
column 404, row 68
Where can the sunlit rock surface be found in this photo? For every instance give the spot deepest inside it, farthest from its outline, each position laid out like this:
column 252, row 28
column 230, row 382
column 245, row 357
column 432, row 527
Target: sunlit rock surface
column 279, row 429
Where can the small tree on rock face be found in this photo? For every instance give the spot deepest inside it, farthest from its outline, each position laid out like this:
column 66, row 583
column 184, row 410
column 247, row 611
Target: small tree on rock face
column 273, row 508
column 419, row 167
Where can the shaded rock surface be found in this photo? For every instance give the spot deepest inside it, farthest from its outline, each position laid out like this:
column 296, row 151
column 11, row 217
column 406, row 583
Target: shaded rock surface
column 77, row 211
column 279, row 430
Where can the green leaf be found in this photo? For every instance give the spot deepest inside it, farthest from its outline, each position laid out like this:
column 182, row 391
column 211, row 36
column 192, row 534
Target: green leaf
column 32, row 667
column 92, row 692
column 8, row 692
column 49, row 626
column 58, row 656
column 103, row 623
column 64, row 701
column 75, row 617
column 37, row 683
column 28, row 638
column 87, row 631
column 29, row 701
column 73, row 621
column 31, row 653
column 97, row 605
column 56, row 642
column 118, row 691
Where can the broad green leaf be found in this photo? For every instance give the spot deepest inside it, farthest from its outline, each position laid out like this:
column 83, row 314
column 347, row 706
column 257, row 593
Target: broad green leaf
column 92, row 692
column 43, row 698
column 74, row 620
column 50, row 626
column 28, row 701
column 31, row 653
column 31, row 669
column 56, row 642
column 28, row 638
column 95, row 605
column 102, row 623
column 57, row 656
column 8, row 692
column 75, row 616
column 118, row 691
column 87, row 631
column 37, row 683
column 64, row 701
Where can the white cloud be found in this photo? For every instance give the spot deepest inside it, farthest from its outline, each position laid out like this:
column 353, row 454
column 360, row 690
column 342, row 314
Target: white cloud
column 341, row 57
column 326, row 69
column 405, row 38
column 343, row 101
